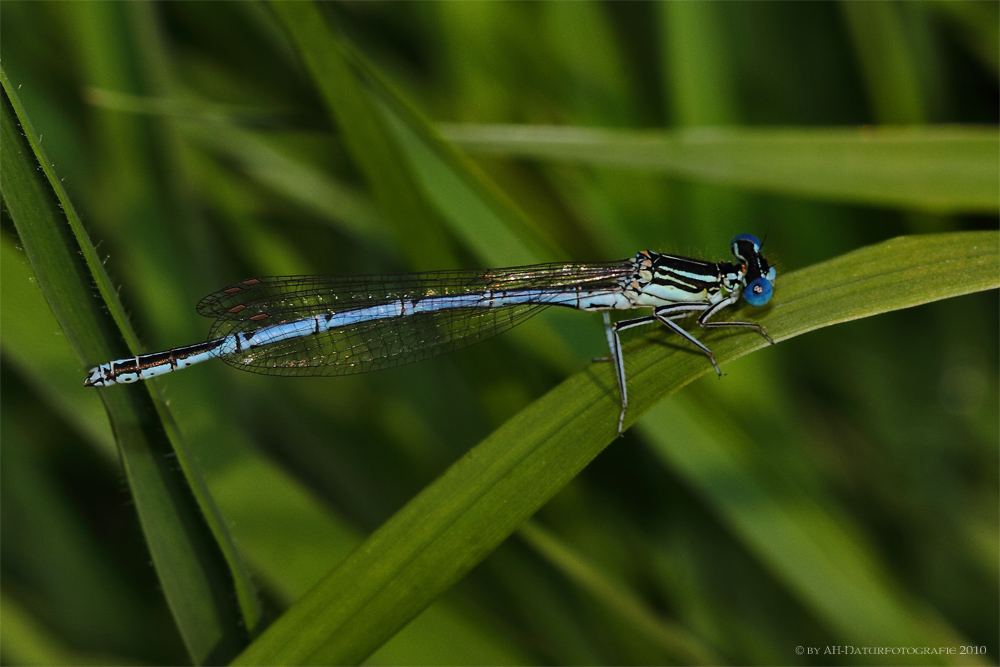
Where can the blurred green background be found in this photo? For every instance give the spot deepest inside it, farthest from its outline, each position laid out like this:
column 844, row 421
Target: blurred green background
column 198, row 152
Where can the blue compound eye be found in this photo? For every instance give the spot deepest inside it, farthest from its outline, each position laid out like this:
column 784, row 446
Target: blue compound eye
column 758, row 292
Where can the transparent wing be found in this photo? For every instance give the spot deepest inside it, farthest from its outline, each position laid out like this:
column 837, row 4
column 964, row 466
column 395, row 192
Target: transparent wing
column 393, row 341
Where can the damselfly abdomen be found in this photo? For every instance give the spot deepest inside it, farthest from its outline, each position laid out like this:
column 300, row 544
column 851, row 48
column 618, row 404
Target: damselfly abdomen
column 336, row 325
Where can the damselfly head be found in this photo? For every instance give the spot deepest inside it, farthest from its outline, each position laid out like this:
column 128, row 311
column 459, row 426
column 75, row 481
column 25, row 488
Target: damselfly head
column 758, row 274
column 745, row 247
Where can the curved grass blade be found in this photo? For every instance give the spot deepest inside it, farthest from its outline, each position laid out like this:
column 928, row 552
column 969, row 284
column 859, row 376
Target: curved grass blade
column 194, row 556
column 461, row 517
column 402, row 203
column 676, row 642
column 478, row 212
column 805, row 541
column 45, row 362
column 406, row 160
column 27, row 641
column 887, row 61
column 222, row 130
column 941, row 169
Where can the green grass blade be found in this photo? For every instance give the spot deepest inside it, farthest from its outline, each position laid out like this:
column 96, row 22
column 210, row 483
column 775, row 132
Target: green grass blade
column 887, row 60
column 700, row 87
column 410, row 166
column 401, row 201
column 299, row 182
column 676, row 642
column 699, row 74
column 219, row 128
column 979, row 26
column 810, row 547
column 941, row 169
column 478, row 212
column 469, row 510
column 190, row 547
column 39, row 359
column 26, row 641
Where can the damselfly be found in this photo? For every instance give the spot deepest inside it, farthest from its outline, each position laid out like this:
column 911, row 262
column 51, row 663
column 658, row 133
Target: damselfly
column 336, row 325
